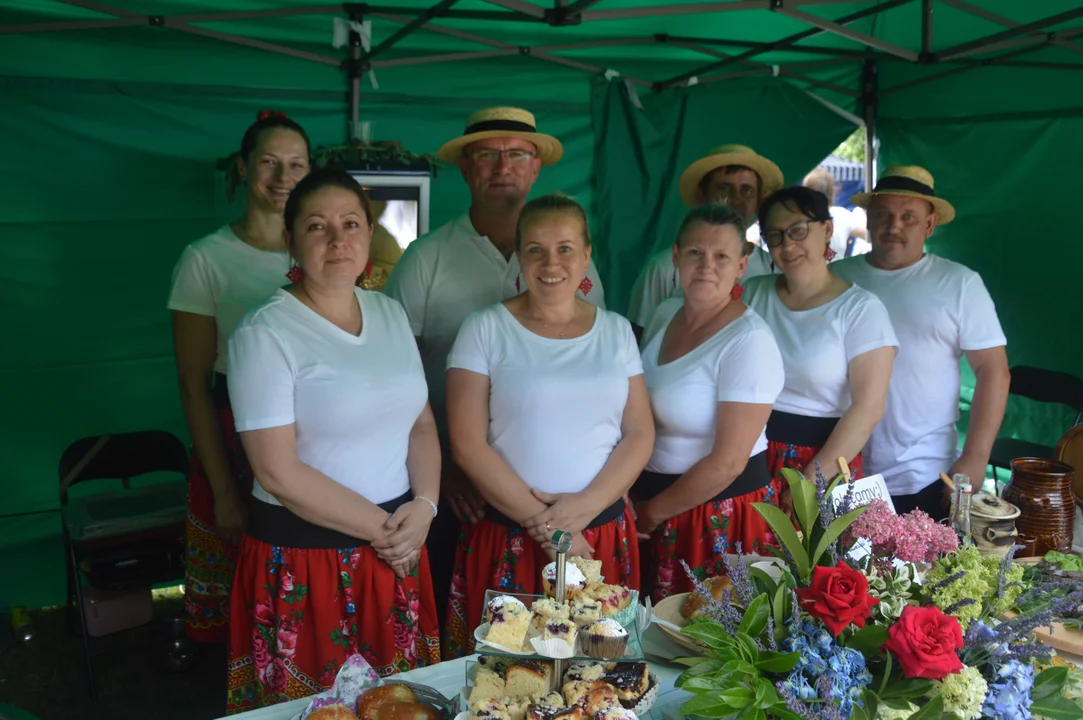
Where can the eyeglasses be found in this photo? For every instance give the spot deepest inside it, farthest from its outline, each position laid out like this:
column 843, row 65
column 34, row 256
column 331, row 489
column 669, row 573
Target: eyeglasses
column 489, row 156
column 796, row 232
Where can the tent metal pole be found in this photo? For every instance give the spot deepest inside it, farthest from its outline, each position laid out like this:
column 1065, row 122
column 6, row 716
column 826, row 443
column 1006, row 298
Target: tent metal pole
column 257, row 14
column 871, row 92
column 409, row 28
column 445, row 58
column 249, row 42
column 579, row 6
column 450, row 32
column 843, row 31
column 974, row 65
column 784, row 42
column 1008, row 34
column 696, row 9
column 520, row 6
column 927, row 31
column 74, row 25
column 803, row 49
column 1006, row 22
column 354, row 71
column 104, row 9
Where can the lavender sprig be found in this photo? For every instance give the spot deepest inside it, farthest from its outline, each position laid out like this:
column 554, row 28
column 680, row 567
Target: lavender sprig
column 945, row 582
column 1005, row 566
column 772, row 644
column 794, row 704
column 828, row 709
column 959, row 605
column 721, row 611
column 795, row 609
column 740, row 580
column 847, row 503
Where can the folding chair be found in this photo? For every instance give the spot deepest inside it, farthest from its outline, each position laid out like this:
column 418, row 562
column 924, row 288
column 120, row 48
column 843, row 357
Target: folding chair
column 1046, row 386
column 127, row 539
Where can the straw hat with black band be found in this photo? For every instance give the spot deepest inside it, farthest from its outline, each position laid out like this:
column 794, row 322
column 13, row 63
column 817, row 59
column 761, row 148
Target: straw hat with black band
column 503, row 122
column 727, row 156
column 910, row 181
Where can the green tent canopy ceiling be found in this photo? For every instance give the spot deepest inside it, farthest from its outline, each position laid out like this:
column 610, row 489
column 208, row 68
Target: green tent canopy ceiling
column 112, row 117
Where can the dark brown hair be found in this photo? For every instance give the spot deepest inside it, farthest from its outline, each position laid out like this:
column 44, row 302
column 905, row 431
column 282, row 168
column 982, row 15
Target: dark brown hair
column 317, row 180
column 716, row 216
column 269, row 120
column 810, row 203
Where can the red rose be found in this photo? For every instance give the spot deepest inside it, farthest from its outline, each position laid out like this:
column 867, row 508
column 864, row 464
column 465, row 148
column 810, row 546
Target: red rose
column 924, row 641
column 838, row 596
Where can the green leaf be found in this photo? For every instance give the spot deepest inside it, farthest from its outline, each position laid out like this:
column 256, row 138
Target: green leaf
column 755, row 618
column 699, row 685
column 708, row 705
column 760, row 575
column 783, row 529
column 887, row 674
column 872, row 704
column 751, row 713
column 710, row 634
column 765, row 693
column 868, row 640
column 691, row 661
column 781, row 712
column 836, row 528
column 1049, row 682
column 703, row 666
column 803, row 495
column 781, row 606
column 776, row 662
column 740, row 666
column 933, row 710
column 1057, row 708
column 897, row 704
column 859, row 713
column 907, row 688
column 748, row 645
column 738, row 697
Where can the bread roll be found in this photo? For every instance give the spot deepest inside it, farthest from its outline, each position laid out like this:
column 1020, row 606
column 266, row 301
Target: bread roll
column 332, row 712
column 369, row 701
column 694, row 601
column 406, row 711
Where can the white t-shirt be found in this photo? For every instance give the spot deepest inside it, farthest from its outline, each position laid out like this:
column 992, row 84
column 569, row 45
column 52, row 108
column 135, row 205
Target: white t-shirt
column 817, row 345
column 448, row 274
column 555, row 405
column 940, row 309
column 843, row 223
column 353, row 399
column 741, row 363
column 659, row 280
column 224, row 277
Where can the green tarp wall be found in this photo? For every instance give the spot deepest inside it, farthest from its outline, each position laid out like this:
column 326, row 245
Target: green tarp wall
column 110, row 138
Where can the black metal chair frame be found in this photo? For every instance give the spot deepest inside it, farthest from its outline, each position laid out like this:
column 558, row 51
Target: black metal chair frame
column 112, row 457
column 1045, row 386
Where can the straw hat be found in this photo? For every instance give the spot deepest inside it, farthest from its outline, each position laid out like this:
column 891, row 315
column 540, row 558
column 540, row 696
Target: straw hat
column 912, row 181
column 502, row 122
column 723, row 156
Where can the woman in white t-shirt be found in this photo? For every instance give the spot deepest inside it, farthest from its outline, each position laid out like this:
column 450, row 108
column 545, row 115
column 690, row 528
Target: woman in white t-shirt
column 713, row 373
column 216, row 281
column 549, row 419
column 836, row 339
column 331, row 404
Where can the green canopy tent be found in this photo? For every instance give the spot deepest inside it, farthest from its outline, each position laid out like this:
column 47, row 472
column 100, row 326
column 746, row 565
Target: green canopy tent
column 113, row 118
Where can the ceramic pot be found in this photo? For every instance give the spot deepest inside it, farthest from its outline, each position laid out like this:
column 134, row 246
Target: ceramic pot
column 992, row 524
column 1042, row 490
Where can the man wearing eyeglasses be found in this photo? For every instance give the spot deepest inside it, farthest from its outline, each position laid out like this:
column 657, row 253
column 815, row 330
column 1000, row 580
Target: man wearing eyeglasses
column 466, row 265
column 731, row 175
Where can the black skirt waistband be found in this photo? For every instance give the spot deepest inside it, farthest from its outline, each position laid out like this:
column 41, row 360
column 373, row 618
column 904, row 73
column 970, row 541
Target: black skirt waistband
column 276, row 525
column 754, row 477
column 610, row 514
column 220, row 391
column 800, row 430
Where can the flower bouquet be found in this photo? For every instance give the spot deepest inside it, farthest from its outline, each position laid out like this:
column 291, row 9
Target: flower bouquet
column 838, row 638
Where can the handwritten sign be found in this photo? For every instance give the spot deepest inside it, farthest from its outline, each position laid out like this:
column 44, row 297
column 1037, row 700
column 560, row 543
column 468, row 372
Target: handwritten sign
column 865, row 491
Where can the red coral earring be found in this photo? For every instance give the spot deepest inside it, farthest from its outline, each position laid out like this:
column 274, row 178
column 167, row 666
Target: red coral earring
column 737, row 291
column 368, row 269
column 295, row 274
column 829, row 254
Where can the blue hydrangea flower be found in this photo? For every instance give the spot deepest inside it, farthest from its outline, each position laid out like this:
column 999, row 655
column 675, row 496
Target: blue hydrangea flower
column 1009, row 697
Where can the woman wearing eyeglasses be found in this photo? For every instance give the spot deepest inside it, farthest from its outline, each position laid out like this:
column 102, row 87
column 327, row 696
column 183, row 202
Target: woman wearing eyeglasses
column 836, row 340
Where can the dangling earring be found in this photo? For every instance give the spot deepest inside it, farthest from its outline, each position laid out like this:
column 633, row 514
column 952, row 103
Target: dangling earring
column 737, row 291
column 585, row 286
column 829, row 254
column 368, row 269
column 295, row 274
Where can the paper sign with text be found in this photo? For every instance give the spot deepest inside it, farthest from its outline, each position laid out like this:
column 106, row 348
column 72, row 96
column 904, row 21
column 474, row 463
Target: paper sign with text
column 866, row 490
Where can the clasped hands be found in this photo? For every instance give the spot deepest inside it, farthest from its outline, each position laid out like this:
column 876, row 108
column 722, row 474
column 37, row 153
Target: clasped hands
column 404, row 533
column 570, row 512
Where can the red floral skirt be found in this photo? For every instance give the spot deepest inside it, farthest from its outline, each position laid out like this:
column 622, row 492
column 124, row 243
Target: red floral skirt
column 693, row 536
column 793, row 441
column 209, row 564
column 782, row 455
column 297, row 615
column 491, row 555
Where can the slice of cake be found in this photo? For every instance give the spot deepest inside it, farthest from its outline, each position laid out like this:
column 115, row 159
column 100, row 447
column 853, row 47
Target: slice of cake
column 602, row 697
column 591, row 569
column 584, row 670
column 585, row 610
column 612, row 598
column 528, row 679
column 498, row 602
column 616, row 713
column 516, row 708
column 547, row 609
column 497, row 663
column 509, row 626
column 487, row 685
column 488, row 709
column 559, row 630
column 632, row 680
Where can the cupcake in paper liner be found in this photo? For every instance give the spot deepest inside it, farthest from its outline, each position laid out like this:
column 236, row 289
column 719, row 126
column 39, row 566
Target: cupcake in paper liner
column 604, row 639
column 647, row 701
column 627, row 616
column 557, row 639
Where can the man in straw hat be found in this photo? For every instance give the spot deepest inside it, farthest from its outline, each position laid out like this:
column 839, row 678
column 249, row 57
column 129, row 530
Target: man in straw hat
column 731, row 175
column 466, row 265
column 941, row 311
